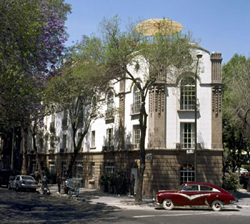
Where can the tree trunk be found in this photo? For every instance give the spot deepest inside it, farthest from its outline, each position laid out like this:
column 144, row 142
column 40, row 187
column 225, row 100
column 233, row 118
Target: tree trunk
column 77, row 148
column 24, row 149
column 38, row 161
column 12, row 149
column 143, row 126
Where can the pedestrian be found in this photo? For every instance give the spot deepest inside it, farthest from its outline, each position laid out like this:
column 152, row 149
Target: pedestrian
column 132, row 184
column 59, row 181
column 118, row 184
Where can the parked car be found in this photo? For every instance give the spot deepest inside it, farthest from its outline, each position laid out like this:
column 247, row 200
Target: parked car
column 195, row 194
column 26, row 182
column 11, row 182
column 242, row 170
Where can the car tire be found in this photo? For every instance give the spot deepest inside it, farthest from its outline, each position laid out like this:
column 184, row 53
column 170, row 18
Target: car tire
column 217, row 205
column 168, row 204
column 17, row 188
column 9, row 187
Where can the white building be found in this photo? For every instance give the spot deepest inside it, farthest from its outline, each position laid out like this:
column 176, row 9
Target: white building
column 170, row 140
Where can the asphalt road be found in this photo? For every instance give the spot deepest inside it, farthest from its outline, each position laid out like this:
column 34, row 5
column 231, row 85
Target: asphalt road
column 30, row 207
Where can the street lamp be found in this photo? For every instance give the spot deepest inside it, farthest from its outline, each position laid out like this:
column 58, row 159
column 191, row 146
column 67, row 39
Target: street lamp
column 199, row 55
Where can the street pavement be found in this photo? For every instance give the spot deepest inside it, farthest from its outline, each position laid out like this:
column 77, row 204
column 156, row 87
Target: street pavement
column 123, row 201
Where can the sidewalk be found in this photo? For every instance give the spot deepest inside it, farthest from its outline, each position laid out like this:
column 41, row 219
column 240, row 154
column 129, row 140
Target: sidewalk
column 244, row 198
column 94, row 196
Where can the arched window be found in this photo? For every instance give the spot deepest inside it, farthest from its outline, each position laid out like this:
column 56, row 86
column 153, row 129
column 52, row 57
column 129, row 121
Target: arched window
column 187, row 94
column 186, row 173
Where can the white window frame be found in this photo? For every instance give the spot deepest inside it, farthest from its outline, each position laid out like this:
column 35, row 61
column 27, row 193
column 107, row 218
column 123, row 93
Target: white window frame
column 52, row 167
column 187, row 173
column 136, row 134
column 136, row 100
column 187, row 135
column 187, row 100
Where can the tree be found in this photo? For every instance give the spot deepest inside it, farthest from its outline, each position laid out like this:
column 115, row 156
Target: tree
column 77, row 91
column 31, row 42
column 159, row 58
column 236, row 108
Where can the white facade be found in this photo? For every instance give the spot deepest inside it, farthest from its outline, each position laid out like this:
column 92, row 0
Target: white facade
column 174, row 116
column 170, row 133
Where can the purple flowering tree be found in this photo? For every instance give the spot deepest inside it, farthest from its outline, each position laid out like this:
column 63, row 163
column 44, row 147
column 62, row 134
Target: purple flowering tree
column 31, row 46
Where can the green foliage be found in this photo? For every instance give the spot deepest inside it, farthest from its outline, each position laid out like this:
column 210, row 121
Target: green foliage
column 231, row 181
column 236, row 107
column 22, row 41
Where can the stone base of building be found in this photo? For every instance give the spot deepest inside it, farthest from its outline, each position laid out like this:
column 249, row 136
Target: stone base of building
column 163, row 167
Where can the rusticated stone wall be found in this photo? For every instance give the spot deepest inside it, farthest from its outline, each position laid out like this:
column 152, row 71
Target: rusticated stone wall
column 163, row 171
column 162, row 167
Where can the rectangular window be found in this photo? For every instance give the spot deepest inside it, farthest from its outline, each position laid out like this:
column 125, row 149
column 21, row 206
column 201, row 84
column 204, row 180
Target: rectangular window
column 33, row 167
column 186, row 173
column 64, row 143
column 79, row 135
column 136, row 134
column 64, row 169
column 109, row 137
column 137, row 101
column 65, row 119
column 188, row 95
column 93, row 139
column 92, row 170
column 187, row 136
column 79, row 170
column 52, row 124
column 52, row 167
column 109, row 168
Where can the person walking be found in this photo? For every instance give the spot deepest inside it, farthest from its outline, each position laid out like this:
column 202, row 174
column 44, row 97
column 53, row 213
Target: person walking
column 132, row 185
column 59, row 181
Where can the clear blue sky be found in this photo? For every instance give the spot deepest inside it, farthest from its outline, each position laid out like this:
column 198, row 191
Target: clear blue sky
column 218, row 25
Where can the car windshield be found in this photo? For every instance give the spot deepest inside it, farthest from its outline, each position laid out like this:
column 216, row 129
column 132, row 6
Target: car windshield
column 27, row 178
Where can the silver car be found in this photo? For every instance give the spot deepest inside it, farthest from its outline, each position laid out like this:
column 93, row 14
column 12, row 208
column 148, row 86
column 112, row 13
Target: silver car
column 24, row 182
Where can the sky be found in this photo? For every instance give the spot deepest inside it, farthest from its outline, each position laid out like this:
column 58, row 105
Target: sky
column 218, row 25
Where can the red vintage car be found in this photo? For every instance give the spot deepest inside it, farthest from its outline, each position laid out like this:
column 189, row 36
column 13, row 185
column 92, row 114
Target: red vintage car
column 195, row 194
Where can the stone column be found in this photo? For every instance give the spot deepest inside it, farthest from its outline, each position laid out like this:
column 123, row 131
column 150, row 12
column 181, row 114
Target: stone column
column 157, row 117
column 216, row 80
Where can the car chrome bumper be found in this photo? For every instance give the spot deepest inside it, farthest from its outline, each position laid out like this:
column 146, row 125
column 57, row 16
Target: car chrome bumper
column 158, row 205
column 234, row 202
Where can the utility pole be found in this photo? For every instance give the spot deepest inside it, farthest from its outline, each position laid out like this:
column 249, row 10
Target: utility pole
column 199, row 55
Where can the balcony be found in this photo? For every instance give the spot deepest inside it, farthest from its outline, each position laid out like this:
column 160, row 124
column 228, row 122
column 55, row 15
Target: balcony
column 188, row 106
column 109, row 114
column 110, row 148
column 133, row 147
